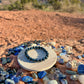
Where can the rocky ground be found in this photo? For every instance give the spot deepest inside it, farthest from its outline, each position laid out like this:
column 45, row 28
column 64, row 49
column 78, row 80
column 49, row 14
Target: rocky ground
column 17, row 27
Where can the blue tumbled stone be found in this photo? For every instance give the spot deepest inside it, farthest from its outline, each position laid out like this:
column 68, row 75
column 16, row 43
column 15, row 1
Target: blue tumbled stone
column 81, row 69
column 63, row 50
column 62, row 76
column 53, row 47
column 9, row 81
column 83, row 55
column 79, row 57
column 42, row 74
column 16, row 53
column 27, row 79
column 62, row 47
column 16, row 79
column 61, row 61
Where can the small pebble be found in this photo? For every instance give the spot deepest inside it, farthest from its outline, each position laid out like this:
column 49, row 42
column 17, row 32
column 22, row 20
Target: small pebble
column 52, row 82
column 9, row 81
column 27, row 79
column 64, row 81
column 42, row 74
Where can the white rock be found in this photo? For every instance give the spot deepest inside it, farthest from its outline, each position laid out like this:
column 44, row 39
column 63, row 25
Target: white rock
column 53, row 43
column 66, row 59
column 33, row 44
column 81, row 79
column 52, row 82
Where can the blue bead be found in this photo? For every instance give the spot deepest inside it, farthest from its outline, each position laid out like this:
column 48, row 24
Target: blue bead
column 63, row 50
column 62, row 47
column 42, row 74
column 81, row 69
column 61, row 61
column 27, row 79
column 83, row 55
column 79, row 57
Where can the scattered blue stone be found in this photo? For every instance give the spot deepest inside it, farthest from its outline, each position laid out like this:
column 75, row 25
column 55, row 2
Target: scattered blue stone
column 63, row 51
column 83, row 55
column 42, row 74
column 4, row 61
column 53, row 47
column 8, row 60
column 16, row 53
column 9, row 81
column 7, row 75
column 62, row 47
column 71, row 72
column 17, row 79
column 62, row 76
column 61, row 61
column 81, row 69
column 79, row 57
column 27, row 79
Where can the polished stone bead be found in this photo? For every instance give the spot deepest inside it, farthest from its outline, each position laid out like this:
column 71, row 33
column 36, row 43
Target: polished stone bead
column 9, row 81
column 81, row 69
column 42, row 74
column 27, row 79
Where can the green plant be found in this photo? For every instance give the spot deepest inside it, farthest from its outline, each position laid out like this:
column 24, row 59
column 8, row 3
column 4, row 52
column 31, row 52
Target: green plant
column 16, row 5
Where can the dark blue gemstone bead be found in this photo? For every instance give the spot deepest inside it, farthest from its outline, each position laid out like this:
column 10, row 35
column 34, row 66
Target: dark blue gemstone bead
column 81, row 69
column 42, row 74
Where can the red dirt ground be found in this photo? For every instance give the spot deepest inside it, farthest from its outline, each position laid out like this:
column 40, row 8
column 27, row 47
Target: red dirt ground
column 17, row 27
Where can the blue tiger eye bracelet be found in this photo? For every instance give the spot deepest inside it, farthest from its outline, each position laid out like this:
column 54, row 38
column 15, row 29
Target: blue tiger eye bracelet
column 36, row 60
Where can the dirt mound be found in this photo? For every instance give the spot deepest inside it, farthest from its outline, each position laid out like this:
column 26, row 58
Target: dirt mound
column 17, row 27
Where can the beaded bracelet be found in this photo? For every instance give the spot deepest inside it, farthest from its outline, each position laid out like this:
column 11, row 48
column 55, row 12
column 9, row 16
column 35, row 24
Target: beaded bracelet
column 36, row 60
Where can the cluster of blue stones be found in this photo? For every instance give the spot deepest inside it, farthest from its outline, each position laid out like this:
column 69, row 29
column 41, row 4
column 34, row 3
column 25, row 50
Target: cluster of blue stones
column 36, row 60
